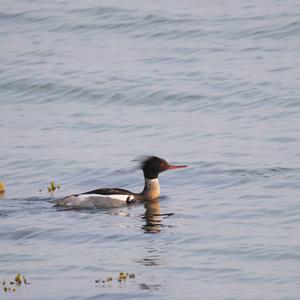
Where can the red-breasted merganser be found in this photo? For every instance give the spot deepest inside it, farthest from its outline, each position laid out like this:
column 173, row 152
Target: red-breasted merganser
column 115, row 197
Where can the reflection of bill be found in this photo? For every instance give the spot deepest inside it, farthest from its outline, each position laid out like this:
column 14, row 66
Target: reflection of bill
column 152, row 216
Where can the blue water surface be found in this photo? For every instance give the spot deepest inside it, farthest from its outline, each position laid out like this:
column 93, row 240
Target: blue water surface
column 88, row 86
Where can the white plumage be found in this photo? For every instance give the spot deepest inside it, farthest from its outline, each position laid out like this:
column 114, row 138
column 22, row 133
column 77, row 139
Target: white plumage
column 95, row 200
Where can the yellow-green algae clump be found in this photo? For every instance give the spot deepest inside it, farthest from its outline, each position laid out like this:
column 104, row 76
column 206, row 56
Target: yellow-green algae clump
column 52, row 187
column 2, row 187
column 121, row 278
column 12, row 285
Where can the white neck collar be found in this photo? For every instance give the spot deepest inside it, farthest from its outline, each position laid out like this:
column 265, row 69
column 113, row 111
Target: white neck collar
column 151, row 180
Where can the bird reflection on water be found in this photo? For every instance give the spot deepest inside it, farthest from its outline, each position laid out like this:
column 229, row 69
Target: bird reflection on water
column 155, row 249
column 153, row 216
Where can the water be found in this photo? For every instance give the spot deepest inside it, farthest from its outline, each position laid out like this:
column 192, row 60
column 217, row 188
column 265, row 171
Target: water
column 86, row 87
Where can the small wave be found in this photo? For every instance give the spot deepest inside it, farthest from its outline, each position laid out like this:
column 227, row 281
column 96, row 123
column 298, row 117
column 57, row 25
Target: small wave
column 275, row 32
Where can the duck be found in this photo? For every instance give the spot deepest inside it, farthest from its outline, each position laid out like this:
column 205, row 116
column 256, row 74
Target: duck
column 151, row 166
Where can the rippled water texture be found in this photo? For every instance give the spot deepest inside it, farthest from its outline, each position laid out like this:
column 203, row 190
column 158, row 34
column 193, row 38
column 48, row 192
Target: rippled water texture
column 87, row 86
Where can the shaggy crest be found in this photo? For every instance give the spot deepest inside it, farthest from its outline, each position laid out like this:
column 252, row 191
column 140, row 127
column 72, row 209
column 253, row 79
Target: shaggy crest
column 145, row 160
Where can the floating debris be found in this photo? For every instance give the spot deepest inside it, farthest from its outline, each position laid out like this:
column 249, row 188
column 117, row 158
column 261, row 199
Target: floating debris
column 2, row 187
column 52, row 187
column 17, row 282
column 121, row 278
column 25, row 281
column 18, row 279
